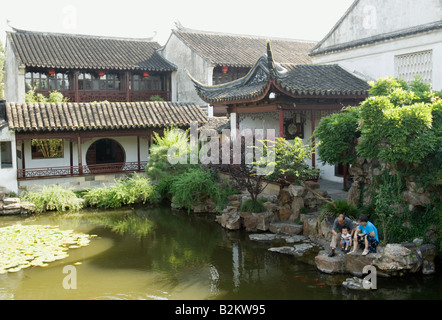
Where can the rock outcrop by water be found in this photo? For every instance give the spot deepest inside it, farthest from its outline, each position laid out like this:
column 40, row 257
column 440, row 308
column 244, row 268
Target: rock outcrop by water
column 13, row 206
column 392, row 260
column 306, row 233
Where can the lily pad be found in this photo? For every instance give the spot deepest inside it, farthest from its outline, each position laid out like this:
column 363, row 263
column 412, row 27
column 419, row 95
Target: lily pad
column 36, row 245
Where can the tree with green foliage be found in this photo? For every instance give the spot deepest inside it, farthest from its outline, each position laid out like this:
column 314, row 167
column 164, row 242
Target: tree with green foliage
column 159, row 166
column 399, row 125
column 54, row 96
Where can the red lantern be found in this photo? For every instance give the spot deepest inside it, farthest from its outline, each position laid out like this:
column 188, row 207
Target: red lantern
column 101, row 74
column 225, row 69
column 51, row 72
column 145, row 74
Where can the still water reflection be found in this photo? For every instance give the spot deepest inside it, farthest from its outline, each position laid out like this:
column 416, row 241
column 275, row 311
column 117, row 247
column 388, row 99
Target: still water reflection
column 162, row 254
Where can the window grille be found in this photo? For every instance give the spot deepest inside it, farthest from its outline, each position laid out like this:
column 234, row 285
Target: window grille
column 407, row 66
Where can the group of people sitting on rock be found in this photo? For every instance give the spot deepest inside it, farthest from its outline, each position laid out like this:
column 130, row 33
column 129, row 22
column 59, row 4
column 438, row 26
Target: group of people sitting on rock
column 364, row 235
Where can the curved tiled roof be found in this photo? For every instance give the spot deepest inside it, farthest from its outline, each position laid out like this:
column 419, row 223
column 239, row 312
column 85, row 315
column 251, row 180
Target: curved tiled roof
column 313, row 80
column 71, row 51
column 47, row 117
column 242, row 50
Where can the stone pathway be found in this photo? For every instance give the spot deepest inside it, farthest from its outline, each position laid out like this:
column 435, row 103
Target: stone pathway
column 334, row 189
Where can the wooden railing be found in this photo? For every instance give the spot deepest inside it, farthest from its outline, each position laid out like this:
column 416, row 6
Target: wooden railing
column 57, row 172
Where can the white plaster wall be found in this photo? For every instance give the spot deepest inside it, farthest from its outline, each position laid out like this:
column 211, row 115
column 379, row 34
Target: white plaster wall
column 375, row 17
column 8, row 176
column 377, row 60
column 189, row 61
column 14, row 77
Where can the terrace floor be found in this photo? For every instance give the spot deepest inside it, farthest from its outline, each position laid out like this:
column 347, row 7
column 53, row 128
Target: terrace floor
column 334, row 189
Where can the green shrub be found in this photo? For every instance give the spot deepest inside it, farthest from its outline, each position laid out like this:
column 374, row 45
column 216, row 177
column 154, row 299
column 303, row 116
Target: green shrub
column 253, row 206
column 340, row 207
column 159, row 166
column 53, row 198
column 131, row 190
column 190, row 187
column 194, row 185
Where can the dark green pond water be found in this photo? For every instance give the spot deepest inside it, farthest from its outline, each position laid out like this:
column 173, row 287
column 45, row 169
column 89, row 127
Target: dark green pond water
column 163, row 254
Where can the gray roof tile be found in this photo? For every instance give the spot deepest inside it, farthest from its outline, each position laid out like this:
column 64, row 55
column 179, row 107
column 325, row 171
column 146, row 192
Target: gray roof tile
column 50, row 117
column 243, row 51
column 70, row 51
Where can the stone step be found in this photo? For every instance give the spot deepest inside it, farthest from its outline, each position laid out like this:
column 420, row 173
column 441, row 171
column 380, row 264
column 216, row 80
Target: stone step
column 9, row 201
column 273, row 236
column 285, row 227
column 298, row 250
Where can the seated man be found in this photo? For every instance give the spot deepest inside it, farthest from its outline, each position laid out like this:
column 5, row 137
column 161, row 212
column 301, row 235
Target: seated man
column 366, row 236
column 340, row 222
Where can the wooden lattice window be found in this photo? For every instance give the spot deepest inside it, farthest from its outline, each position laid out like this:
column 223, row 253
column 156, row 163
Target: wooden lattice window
column 407, row 66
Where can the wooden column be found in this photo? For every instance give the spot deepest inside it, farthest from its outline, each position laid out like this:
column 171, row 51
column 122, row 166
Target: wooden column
column 23, row 164
column 281, row 123
column 71, row 157
column 80, row 160
column 77, row 94
column 138, row 153
column 127, row 85
column 313, row 139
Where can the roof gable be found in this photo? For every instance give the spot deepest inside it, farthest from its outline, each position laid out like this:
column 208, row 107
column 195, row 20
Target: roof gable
column 241, row 50
column 69, row 51
column 370, row 21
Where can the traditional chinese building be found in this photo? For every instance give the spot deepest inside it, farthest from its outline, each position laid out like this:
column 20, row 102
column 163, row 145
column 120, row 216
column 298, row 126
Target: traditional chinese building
column 291, row 101
column 85, row 68
column 84, row 145
column 216, row 58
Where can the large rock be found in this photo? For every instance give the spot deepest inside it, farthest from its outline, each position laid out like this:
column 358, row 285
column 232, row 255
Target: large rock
column 354, row 194
column 355, row 262
column 11, row 201
column 297, row 191
column 297, row 205
column 427, row 254
column 229, row 220
column 357, row 284
column 284, row 213
column 249, row 221
column 284, row 197
column 253, row 222
column 325, row 228
column 416, row 199
column 330, row 265
column 273, row 236
column 397, row 260
column 310, row 226
column 297, row 250
column 286, row 228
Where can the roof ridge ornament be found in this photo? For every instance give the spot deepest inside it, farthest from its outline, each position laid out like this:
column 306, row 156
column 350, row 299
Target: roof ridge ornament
column 270, row 61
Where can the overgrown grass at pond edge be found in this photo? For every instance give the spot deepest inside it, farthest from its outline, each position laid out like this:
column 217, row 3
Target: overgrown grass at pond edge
column 125, row 191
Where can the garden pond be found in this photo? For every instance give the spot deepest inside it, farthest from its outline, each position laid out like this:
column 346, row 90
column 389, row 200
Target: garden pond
column 161, row 254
